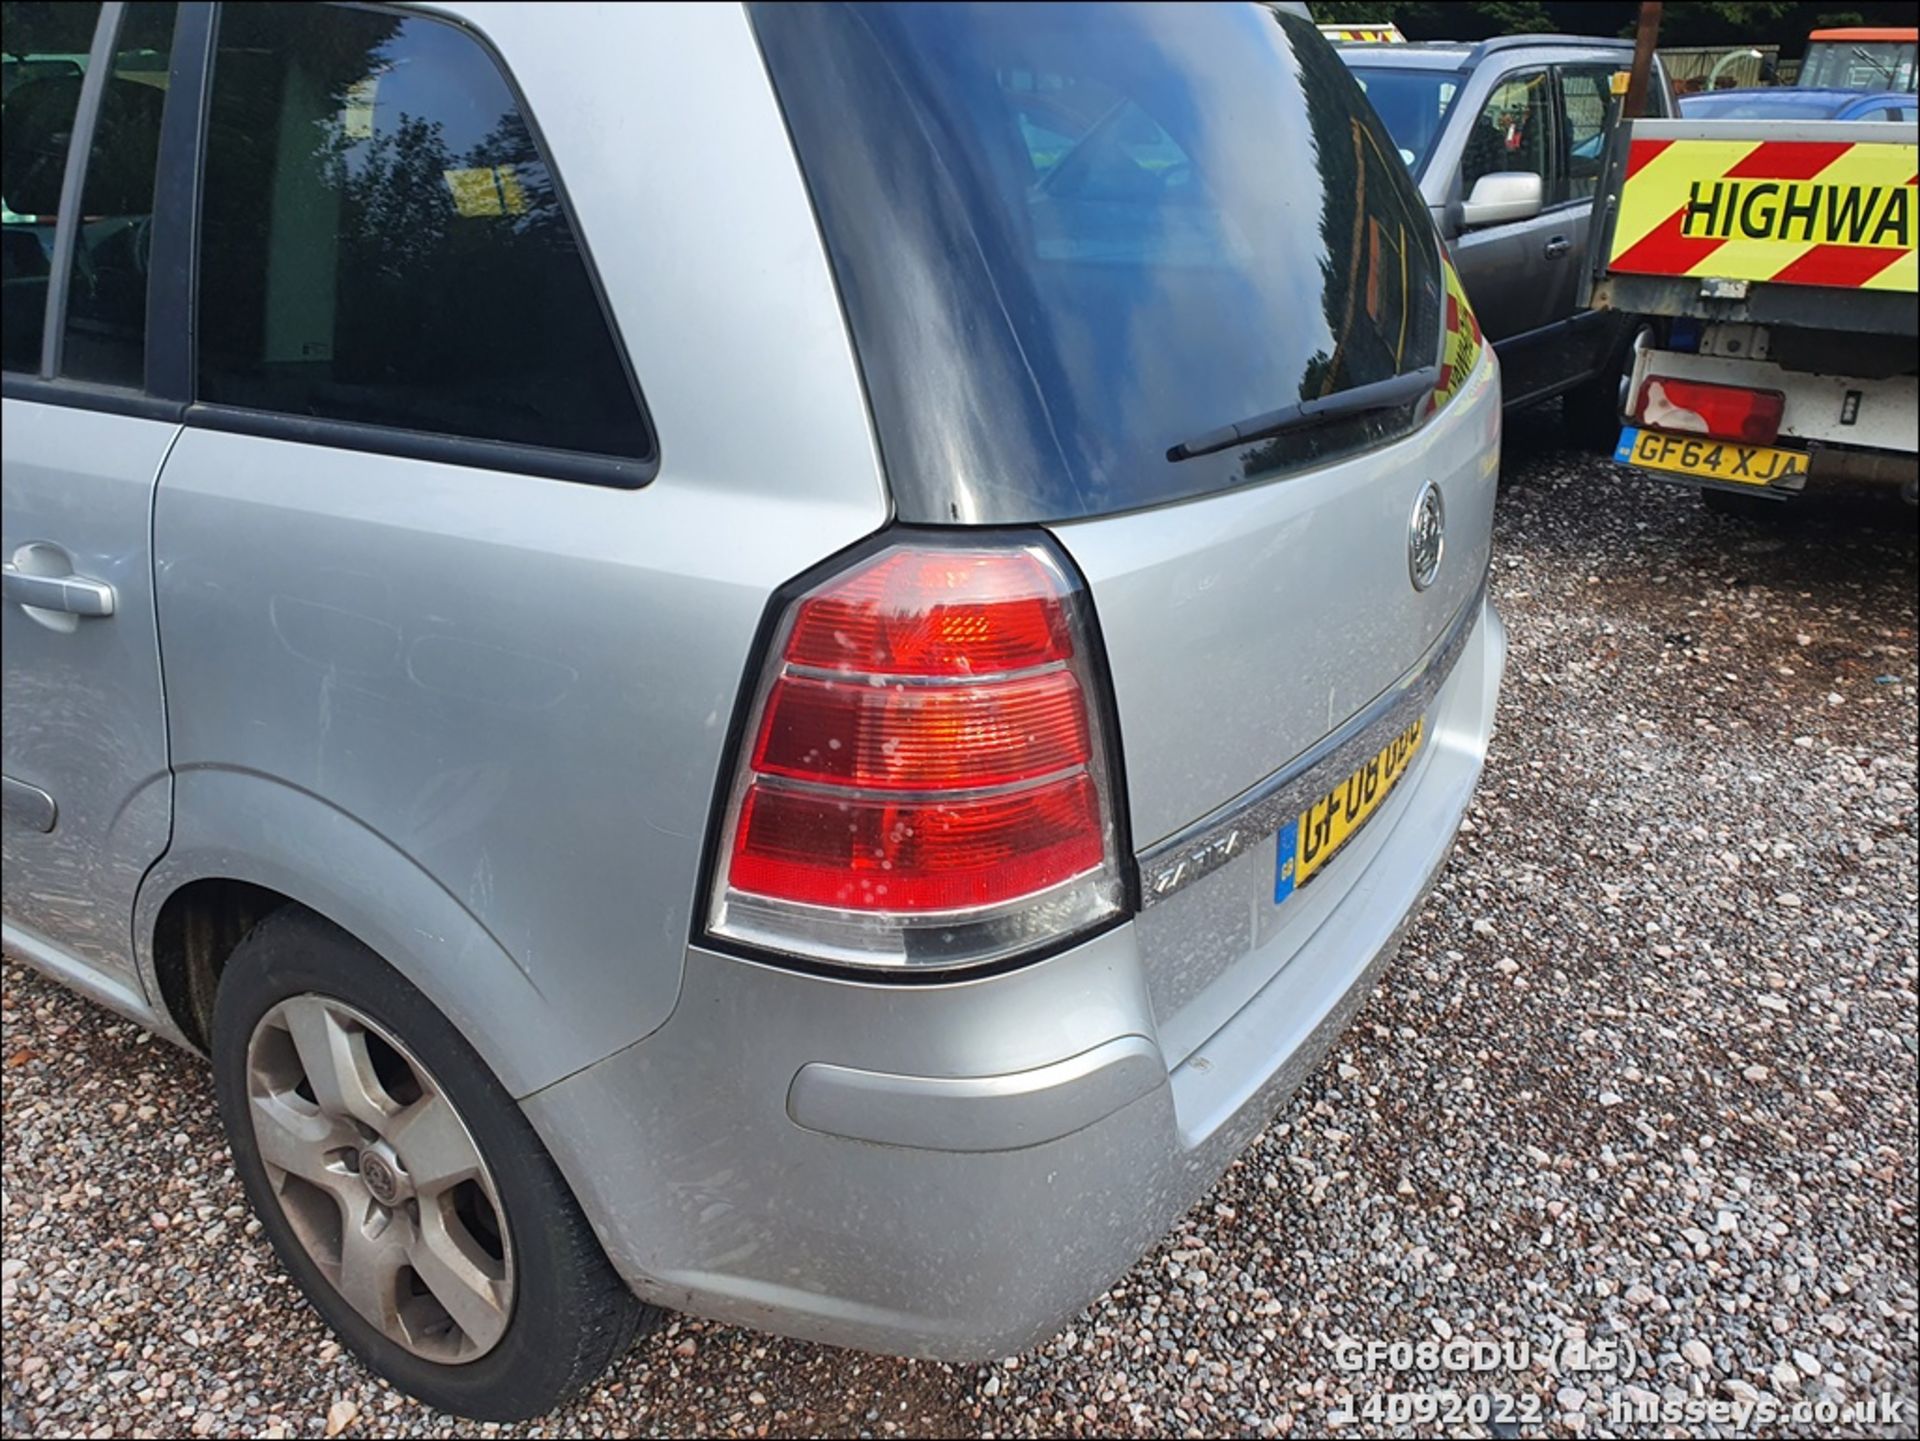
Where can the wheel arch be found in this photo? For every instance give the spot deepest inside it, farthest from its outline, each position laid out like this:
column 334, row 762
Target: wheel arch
column 244, row 844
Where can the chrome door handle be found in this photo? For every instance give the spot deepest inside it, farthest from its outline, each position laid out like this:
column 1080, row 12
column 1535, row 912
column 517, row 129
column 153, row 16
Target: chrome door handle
column 1558, row 246
column 74, row 594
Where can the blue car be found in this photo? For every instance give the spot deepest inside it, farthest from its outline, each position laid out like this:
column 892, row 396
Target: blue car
column 1778, row 103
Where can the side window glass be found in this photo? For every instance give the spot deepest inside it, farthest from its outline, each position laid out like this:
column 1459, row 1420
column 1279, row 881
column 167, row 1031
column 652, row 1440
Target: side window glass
column 45, row 59
column 381, row 240
column 1583, row 93
column 106, row 324
column 1658, row 105
column 1514, row 132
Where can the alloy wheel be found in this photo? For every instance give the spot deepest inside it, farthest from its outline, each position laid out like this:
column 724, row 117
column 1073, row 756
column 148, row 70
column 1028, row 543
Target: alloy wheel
column 379, row 1179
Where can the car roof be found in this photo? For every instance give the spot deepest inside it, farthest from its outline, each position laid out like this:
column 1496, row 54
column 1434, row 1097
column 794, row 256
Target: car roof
column 1812, row 97
column 1831, row 92
column 1868, row 32
column 1410, row 55
column 1465, row 54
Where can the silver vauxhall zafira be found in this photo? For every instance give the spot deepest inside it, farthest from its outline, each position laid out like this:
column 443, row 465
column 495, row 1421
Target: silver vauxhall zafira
column 790, row 662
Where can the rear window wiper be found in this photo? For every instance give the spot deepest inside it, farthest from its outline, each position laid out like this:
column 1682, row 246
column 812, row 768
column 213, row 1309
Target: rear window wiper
column 1386, row 394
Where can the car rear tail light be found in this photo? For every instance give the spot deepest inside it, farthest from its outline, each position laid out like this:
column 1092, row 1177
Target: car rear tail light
column 923, row 779
column 1700, row 407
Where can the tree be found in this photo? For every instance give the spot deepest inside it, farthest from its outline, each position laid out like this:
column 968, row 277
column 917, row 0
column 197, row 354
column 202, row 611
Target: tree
column 1725, row 21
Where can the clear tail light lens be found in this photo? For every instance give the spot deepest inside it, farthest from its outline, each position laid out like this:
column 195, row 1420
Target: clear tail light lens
column 923, row 782
column 1699, row 407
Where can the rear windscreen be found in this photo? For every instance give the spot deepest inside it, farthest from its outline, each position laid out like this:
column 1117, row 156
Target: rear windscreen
column 1070, row 238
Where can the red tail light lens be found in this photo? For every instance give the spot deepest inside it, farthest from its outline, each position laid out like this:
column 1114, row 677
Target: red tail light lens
column 1700, row 407
column 916, row 856
column 925, row 782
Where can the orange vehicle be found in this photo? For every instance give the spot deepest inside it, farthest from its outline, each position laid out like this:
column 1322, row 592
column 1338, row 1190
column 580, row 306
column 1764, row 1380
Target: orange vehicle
column 1861, row 58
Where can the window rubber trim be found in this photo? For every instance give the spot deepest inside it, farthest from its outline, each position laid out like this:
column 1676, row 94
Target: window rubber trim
column 87, row 395
column 66, row 232
column 173, row 271
column 510, row 457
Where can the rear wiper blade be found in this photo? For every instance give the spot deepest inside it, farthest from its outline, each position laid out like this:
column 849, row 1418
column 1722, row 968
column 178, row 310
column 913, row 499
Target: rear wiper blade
column 1386, row 394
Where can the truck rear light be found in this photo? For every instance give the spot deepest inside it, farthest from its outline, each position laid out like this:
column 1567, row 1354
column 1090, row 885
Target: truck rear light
column 1700, row 407
column 923, row 780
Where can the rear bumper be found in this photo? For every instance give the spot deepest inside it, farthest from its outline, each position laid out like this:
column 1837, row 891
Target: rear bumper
column 954, row 1170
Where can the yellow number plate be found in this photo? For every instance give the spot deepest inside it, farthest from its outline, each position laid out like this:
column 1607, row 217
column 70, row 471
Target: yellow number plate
column 1714, row 459
column 1307, row 844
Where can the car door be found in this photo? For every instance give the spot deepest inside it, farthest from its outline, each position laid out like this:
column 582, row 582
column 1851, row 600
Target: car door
column 87, row 793
column 1582, row 341
column 1511, row 269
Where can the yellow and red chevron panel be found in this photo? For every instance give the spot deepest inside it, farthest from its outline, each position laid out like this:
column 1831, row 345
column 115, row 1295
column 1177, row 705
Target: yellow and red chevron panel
column 1459, row 345
column 1836, row 213
column 1386, row 33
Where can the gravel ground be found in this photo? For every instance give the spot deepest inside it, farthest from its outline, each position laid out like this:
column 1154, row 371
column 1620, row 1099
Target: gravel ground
column 1645, row 1073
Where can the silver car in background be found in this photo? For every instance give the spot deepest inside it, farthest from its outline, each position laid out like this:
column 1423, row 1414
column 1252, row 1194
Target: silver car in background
column 787, row 661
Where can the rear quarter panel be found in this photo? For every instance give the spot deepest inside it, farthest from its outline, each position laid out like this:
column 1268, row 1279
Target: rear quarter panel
column 478, row 716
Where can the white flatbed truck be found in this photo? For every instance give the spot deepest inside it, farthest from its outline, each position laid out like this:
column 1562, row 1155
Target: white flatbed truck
column 1774, row 263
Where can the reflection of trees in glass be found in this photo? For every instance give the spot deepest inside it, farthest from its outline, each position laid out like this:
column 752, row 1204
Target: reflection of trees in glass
column 1317, row 378
column 457, row 282
column 1362, row 187
column 278, row 66
column 393, row 203
column 510, row 144
column 371, row 260
column 396, row 191
column 398, row 229
column 1374, row 230
column 1342, row 205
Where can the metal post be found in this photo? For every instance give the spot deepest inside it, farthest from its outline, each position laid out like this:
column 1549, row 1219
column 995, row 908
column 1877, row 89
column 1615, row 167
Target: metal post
column 1644, row 39
column 1621, row 107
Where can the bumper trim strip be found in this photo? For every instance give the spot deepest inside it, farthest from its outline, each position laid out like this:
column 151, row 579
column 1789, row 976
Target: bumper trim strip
column 1259, row 811
column 977, row 1113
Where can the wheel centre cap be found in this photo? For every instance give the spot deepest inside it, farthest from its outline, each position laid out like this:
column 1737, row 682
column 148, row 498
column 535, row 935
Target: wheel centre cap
column 1426, row 536
column 381, row 1174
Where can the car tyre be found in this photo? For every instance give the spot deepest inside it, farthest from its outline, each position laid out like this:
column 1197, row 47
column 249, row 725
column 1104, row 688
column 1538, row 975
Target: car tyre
column 487, row 1296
